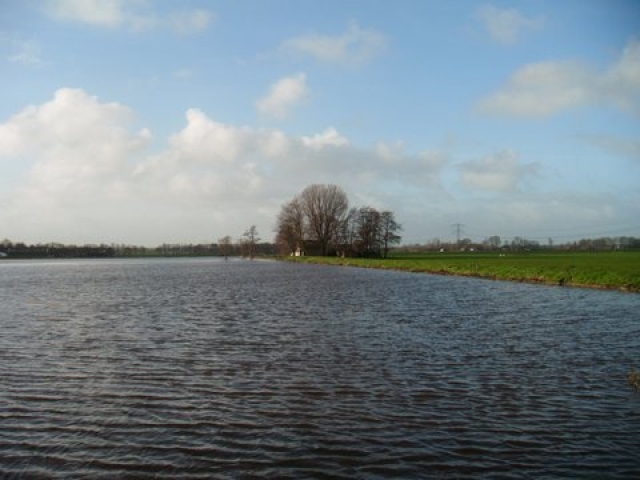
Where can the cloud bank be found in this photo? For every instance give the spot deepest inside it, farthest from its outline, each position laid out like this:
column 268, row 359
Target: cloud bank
column 89, row 176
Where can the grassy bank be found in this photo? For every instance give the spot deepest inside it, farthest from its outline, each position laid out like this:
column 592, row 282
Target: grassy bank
column 609, row 270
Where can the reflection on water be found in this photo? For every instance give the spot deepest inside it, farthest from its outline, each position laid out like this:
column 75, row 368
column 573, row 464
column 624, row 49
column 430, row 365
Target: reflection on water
column 203, row 368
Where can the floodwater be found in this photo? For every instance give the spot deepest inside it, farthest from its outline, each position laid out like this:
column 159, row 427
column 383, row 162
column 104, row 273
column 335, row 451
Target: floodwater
column 201, row 368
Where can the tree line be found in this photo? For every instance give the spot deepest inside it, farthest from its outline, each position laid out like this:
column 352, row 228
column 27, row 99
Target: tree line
column 319, row 221
column 54, row 250
column 226, row 247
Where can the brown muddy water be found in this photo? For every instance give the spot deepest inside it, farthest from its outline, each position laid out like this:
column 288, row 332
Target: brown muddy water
column 201, row 368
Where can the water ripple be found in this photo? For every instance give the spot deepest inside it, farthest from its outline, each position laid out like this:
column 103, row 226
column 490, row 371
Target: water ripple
column 196, row 369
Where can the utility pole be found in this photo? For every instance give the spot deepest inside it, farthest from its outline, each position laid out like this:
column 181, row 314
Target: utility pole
column 458, row 228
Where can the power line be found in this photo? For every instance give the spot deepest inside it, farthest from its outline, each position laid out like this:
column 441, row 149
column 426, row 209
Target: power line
column 458, row 228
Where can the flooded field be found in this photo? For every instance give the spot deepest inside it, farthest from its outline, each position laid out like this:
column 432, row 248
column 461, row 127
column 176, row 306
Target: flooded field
column 201, row 368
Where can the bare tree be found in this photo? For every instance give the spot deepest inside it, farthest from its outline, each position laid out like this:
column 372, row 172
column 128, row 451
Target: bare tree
column 348, row 233
column 250, row 238
column 325, row 207
column 389, row 229
column 290, row 230
column 369, row 232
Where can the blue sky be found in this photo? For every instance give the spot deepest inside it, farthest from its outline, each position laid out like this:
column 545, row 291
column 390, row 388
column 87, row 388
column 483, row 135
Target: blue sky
column 151, row 121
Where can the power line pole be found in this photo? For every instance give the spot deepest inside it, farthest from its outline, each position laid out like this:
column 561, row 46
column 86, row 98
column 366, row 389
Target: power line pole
column 458, row 228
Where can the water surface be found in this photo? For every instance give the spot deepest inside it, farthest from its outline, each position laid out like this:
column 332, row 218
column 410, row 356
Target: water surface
column 192, row 368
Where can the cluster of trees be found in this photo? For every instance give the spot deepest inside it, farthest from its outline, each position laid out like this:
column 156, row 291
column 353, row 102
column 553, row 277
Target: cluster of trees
column 319, row 221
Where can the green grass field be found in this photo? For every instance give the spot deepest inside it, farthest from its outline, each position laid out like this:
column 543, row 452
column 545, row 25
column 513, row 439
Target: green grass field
column 611, row 270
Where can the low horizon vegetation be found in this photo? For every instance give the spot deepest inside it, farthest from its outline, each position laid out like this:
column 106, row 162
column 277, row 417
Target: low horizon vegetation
column 610, row 269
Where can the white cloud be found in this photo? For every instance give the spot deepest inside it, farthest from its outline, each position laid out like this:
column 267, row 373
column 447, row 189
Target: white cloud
column 283, row 96
column 506, row 25
column 77, row 142
column 353, row 47
column 543, row 89
column 70, row 119
column 132, row 14
column 500, row 172
column 206, row 141
column 329, row 137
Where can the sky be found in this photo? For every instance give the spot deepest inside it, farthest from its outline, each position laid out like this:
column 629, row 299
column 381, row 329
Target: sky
column 156, row 121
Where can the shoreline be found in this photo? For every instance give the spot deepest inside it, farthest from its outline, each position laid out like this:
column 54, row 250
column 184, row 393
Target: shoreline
column 598, row 271
column 474, row 272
